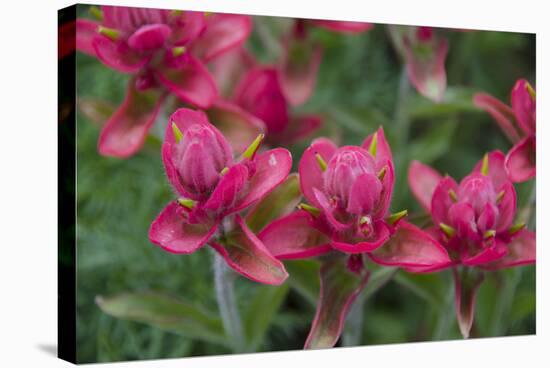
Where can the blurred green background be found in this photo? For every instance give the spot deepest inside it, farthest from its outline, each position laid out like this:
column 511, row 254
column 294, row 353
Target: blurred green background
column 361, row 85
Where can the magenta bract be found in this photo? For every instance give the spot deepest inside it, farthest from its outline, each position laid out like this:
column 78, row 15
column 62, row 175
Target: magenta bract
column 425, row 53
column 210, row 186
column 164, row 50
column 260, row 93
column 349, row 191
column 474, row 221
column 518, row 122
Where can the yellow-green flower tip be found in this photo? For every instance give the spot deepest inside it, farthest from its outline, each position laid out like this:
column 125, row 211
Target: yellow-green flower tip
column 178, row 135
column 178, row 50
column 111, row 33
column 322, row 163
column 448, row 230
column 485, row 165
column 373, row 144
column 395, row 217
column 253, row 148
column 312, row 210
column 516, row 228
column 187, row 203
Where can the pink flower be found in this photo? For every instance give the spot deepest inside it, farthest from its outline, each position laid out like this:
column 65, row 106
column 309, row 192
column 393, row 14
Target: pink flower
column 259, row 92
column 302, row 56
column 164, row 51
column 519, row 124
column 349, row 190
column 424, row 50
column 212, row 188
column 474, row 220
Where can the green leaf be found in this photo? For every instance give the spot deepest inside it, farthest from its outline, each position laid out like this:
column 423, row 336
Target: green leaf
column 260, row 313
column 165, row 312
column 426, row 286
column 281, row 201
column 304, row 278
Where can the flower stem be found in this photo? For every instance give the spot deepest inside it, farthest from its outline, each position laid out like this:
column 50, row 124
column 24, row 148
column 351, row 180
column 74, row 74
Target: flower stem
column 225, row 295
column 354, row 324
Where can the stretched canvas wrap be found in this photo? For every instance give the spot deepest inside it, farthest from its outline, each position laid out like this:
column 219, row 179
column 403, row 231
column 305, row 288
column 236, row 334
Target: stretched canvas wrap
column 236, row 184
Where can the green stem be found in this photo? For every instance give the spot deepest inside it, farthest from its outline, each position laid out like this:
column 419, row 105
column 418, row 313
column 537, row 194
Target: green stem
column 353, row 329
column 354, row 324
column 225, row 296
column 402, row 120
column 445, row 317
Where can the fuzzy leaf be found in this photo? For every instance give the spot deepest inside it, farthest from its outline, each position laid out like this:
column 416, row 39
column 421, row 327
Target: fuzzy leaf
column 165, row 312
column 260, row 313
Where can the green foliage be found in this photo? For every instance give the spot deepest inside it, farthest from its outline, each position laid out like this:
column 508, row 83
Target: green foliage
column 361, row 86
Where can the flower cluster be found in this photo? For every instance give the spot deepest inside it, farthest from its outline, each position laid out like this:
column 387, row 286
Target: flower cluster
column 222, row 158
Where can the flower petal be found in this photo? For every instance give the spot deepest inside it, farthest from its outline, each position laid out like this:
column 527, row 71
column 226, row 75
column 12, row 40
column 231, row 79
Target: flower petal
column 383, row 150
column 299, row 68
column 423, row 180
column 506, row 207
column 343, row 26
column 311, row 175
column 387, row 191
column 364, row 194
column 520, row 162
column 328, row 212
column 272, row 167
column 230, row 67
column 497, row 171
column 171, row 232
column 126, row 130
column 280, row 202
column 222, row 33
column 86, row 30
column 247, row 255
column 293, row 236
column 339, row 288
column 524, row 107
column 190, row 81
column 149, row 37
column 521, row 252
column 381, row 234
column 503, row 114
column 442, row 201
column 259, row 92
column 237, row 125
column 426, row 68
column 184, row 118
column 486, row 255
column 466, row 285
column 189, row 25
column 118, row 55
column 223, row 198
column 412, row 248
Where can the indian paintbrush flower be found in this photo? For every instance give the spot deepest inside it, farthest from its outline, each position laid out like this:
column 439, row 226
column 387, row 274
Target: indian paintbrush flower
column 301, row 56
column 165, row 52
column 211, row 188
column 474, row 221
column 349, row 190
column 518, row 122
column 424, row 50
